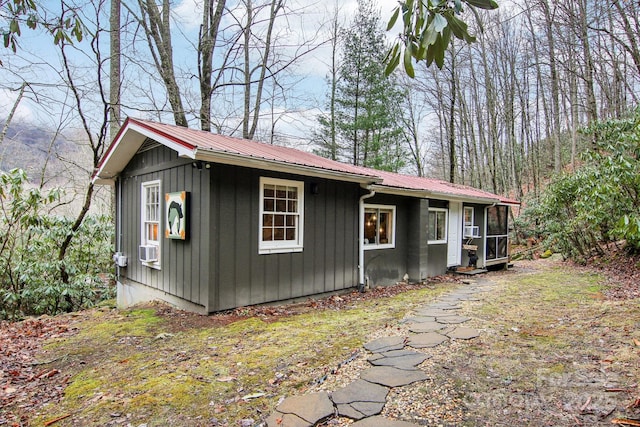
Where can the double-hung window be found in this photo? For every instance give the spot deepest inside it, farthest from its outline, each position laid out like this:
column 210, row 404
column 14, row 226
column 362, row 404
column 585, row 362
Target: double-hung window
column 437, row 226
column 470, row 229
column 379, row 226
column 468, row 216
column 281, row 216
column 150, row 239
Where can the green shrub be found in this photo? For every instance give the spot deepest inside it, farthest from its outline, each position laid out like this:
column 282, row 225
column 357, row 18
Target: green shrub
column 579, row 213
column 30, row 281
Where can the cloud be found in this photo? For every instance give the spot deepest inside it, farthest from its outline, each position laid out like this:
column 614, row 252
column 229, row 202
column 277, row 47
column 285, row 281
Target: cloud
column 7, row 103
column 188, row 14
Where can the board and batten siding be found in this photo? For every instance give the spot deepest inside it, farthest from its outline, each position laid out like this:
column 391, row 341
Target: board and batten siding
column 242, row 276
column 385, row 267
column 184, row 272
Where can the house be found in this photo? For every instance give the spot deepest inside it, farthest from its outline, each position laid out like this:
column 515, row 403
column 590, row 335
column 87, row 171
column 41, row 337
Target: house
column 209, row 222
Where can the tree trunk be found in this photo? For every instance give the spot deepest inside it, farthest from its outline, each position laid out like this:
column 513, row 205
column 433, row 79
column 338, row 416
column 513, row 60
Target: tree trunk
column 592, row 106
column 555, row 91
column 114, row 69
column 211, row 18
column 453, row 161
column 7, row 122
column 631, row 33
column 158, row 32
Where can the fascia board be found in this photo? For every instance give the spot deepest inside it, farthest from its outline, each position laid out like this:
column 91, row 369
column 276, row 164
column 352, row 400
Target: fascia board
column 127, row 144
column 182, row 148
column 276, row 166
column 426, row 194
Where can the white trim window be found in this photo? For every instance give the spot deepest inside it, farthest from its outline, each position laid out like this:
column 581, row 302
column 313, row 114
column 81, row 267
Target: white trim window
column 151, row 204
column 437, row 226
column 379, row 226
column 471, row 231
column 469, row 217
column 281, row 216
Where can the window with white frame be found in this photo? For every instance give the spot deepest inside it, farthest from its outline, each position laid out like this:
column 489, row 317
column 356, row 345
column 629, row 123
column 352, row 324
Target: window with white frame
column 379, row 226
column 151, row 214
column 470, row 229
column 468, row 216
column 281, row 216
column 437, row 226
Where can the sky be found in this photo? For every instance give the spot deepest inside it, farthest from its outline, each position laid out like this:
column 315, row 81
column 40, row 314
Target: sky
column 36, row 53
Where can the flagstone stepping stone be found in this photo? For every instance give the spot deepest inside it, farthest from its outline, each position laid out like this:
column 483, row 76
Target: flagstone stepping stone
column 403, row 359
column 452, row 320
column 445, row 306
column 432, row 312
column 310, row 408
column 393, row 377
column 467, row 298
column 383, row 344
column 278, row 419
column 360, row 399
column 427, row 340
column 462, row 333
column 420, row 328
column 466, row 290
column 381, row 422
column 419, row 319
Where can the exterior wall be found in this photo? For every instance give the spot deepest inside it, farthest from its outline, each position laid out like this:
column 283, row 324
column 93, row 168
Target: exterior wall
column 418, row 249
column 219, row 267
column 328, row 261
column 184, row 273
column 388, row 266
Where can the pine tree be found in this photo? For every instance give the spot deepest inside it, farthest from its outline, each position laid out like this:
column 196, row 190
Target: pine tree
column 366, row 113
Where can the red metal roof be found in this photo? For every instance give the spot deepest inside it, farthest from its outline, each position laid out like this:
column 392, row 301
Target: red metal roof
column 436, row 186
column 198, row 144
column 202, row 140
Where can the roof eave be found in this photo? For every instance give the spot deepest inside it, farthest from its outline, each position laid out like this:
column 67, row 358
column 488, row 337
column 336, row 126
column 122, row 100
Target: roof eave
column 397, row 191
column 428, row 194
column 119, row 154
column 234, row 159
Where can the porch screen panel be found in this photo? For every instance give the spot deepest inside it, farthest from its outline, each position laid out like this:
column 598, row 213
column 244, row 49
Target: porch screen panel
column 497, row 231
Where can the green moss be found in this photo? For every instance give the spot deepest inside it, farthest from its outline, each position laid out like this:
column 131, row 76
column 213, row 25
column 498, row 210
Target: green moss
column 188, row 374
column 82, row 386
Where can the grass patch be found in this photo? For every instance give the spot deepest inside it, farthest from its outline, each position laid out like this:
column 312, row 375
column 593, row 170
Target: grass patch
column 196, row 375
column 552, row 345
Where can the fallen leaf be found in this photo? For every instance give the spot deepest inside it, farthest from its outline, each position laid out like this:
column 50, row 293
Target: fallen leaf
column 626, row 422
column 252, row 396
column 55, row 420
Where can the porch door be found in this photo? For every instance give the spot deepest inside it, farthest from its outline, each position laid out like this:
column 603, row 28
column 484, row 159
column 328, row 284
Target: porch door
column 454, row 239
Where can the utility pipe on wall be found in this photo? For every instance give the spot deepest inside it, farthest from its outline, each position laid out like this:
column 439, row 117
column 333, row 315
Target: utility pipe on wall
column 361, row 236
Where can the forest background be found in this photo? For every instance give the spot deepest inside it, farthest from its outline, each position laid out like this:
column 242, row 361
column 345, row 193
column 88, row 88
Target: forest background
column 542, row 107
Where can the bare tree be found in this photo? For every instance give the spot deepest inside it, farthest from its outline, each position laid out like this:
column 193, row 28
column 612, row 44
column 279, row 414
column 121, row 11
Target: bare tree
column 156, row 22
column 115, row 69
column 207, row 39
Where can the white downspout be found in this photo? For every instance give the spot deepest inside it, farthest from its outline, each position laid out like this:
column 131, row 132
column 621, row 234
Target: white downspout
column 118, row 225
column 361, row 236
column 119, row 216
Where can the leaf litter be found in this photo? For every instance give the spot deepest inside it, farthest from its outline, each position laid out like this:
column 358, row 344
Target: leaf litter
column 565, row 354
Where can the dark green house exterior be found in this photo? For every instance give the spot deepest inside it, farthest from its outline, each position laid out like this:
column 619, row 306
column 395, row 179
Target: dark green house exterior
column 210, row 223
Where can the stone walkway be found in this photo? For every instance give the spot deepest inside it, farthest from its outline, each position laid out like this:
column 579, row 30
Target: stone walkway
column 393, row 362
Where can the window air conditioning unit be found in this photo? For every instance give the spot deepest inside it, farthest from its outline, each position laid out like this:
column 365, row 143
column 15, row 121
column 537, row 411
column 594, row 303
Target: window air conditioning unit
column 148, row 253
column 471, row 231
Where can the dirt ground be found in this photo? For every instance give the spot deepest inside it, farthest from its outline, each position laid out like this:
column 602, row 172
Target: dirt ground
column 559, row 345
